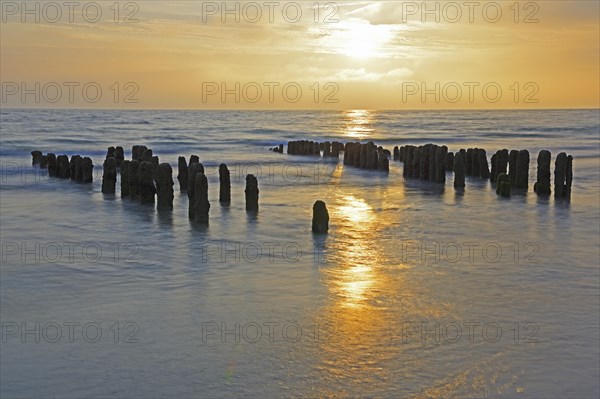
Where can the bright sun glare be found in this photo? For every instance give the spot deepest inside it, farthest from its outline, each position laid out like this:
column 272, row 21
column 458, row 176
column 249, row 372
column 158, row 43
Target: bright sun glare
column 363, row 40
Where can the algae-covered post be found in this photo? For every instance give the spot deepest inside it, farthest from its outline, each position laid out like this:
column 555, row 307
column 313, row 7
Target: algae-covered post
column 251, row 193
column 320, row 219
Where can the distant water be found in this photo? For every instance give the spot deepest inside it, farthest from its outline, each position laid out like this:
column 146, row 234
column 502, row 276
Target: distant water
column 416, row 291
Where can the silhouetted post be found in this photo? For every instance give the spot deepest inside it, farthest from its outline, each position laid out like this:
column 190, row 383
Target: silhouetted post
column 224, row 184
column 110, row 153
column 449, row 161
column 432, row 160
column 563, row 175
column 119, row 156
column 512, row 166
column 280, row 148
column 109, row 175
column 320, row 219
column 459, row 170
column 440, row 164
column 193, row 159
column 125, row 178
column 182, row 173
column 194, row 169
column 75, row 166
column 44, row 162
column 164, row 186
column 201, row 204
column 146, row 183
column 469, row 162
column 64, row 169
column 417, row 162
column 36, row 157
column 134, row 178
column 407, row 170
column 52, row 168
column 542, row 185
column 396, row 153
column 483, row 164
column 383, row 162
column 251, row 193
column 326, row 149
column 503, row 185
column 87, row 167
column 522, row 176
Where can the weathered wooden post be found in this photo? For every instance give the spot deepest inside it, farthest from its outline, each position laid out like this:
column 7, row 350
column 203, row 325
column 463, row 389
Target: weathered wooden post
column 224, row 184
column 119, row 155
column 36, row 157
column 459, row 170
column 52, row 168
column 146, row 183
column 194, row 169
column 109, row 175
column 522, row 175
column 563, row 175
column 201, row 204
column 87, row 167
column 125, row 178
column 251, row 193
column 320, row 219
column 134, row 178
column 503, row 185
column 164, row 186
column 182, row 173
column 542, row 185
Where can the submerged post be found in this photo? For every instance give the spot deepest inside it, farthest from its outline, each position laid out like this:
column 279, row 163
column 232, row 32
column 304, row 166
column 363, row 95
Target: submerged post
column 224, row 184
column 125, row 178
column 201, row 204
column 251, row 193
column 134, row 178
column 36, row 157
column 542, row 185
column 503, row 185
column 87, row 167
column 146, row 183
column 459, row 170
column 164, row 186
column 109, row 176
column 182, row 173
column 320, row 219
column 194, row 169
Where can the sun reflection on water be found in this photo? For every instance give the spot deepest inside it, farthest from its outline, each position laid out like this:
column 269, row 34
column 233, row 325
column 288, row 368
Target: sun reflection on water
column 358, row 123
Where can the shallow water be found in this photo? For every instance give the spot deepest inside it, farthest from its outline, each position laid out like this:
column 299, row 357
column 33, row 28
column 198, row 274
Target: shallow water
column 417, row 290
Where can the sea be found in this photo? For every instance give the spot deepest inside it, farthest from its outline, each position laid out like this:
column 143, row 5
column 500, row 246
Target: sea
column 418, row 290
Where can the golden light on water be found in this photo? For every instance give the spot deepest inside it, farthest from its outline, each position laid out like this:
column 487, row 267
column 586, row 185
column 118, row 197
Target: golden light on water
column 358, row 124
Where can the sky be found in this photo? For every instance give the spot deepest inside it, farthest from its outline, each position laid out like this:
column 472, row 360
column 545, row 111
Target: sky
column 300, row 55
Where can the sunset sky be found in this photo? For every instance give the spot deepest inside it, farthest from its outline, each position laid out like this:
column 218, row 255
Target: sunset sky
column 374, row 55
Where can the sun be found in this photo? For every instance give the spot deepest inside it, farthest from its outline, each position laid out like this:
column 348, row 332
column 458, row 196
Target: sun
column 363, row 40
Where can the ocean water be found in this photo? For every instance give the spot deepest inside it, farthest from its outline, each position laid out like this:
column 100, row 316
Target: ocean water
column 417, row 290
